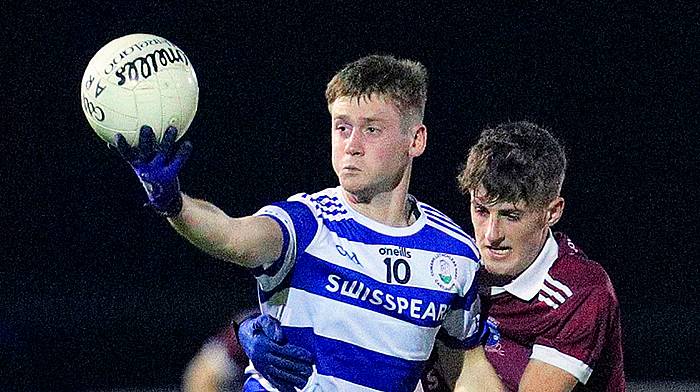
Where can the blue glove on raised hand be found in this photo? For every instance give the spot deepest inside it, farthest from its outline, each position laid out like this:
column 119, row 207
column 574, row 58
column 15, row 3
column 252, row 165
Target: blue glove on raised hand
column 157, row 166
column 284, row 365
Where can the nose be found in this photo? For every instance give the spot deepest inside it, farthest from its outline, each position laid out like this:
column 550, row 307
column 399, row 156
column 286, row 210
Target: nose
column 493, row 231
column 354, row 143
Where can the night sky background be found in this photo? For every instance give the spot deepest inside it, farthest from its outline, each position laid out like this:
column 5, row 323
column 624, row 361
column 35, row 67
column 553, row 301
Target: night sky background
column 98, row 292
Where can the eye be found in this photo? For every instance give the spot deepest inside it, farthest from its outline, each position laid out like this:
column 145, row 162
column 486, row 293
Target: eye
column 342, row 128
column 481, row 210
column 513, row 217
column 373, row 130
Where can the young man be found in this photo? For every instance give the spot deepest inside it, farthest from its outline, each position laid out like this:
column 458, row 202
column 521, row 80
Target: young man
column 363, row 276
column 555, row 310
column 554, row 319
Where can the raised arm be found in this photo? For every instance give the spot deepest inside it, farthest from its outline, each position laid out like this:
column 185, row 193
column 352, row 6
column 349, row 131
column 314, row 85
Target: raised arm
column 250, row 241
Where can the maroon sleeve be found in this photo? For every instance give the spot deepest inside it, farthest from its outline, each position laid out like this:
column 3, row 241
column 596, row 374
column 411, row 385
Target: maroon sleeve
column 586, row 324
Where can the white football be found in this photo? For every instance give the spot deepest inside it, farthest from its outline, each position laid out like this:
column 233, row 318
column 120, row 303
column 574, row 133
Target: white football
column 136, row 80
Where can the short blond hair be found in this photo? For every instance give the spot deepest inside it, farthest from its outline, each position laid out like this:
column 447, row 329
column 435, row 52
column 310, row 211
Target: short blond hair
column 404, row 82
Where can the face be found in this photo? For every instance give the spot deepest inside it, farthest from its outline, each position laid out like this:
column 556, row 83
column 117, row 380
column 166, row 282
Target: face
column 371, row 153
column 510, row 236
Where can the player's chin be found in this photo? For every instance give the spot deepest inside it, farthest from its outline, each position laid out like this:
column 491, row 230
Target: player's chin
column 498, row 267
column 352, row 184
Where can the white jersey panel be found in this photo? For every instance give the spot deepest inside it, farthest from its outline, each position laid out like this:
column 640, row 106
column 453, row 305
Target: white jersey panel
column 410, row 342
column 368, row 299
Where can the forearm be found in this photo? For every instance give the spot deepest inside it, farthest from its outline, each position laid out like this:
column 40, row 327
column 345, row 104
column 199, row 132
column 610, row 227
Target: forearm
column 477, row 373
column 206, row 226
column 250, row 241
column 231, row 239
column 541, row 376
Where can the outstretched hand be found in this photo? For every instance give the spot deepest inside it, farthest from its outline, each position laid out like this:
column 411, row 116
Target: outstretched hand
column 284, row 365
column 157, row 166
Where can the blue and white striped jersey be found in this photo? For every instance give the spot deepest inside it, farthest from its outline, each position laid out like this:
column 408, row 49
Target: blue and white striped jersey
column 368, row 300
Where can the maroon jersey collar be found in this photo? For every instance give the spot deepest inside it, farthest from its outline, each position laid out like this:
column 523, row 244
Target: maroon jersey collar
column 529, row 282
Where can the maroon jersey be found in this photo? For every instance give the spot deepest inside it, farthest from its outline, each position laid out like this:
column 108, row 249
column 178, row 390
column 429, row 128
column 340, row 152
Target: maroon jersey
column 561, row 310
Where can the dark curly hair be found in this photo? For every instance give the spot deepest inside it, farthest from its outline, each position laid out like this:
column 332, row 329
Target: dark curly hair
column 513, row 162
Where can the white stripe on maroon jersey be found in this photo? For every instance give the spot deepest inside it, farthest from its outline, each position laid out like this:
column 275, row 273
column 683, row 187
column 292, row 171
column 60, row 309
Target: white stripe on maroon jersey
column 547, row 300
column 553, row 294
column 559, row 285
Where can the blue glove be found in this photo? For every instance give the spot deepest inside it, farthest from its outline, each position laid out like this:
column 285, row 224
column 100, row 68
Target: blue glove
column 490, row 335
column 157, row 166
column 284, row 365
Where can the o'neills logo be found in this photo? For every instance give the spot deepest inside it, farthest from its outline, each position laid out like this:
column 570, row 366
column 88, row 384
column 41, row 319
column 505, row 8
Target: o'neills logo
column 399, row 251
column 443, row 268
column 143, row 67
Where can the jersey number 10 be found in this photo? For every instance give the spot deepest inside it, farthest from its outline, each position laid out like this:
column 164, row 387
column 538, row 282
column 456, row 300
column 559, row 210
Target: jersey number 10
column 397, row 270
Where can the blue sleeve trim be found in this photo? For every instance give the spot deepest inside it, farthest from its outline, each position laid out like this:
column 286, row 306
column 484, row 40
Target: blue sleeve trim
column 265, row 296
column 275, row 267
column 453, row 342
column 305, row 223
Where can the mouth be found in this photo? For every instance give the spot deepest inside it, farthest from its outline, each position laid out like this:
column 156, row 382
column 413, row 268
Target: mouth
column 351, row 168
column 498, row 252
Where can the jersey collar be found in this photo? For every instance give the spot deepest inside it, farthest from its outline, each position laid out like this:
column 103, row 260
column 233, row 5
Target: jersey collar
column 528, row 284
column 380, row 227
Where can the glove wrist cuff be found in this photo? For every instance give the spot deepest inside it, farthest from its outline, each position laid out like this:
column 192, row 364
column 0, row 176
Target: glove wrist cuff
column 170, row 209
column 236, row 324
column 164, row 199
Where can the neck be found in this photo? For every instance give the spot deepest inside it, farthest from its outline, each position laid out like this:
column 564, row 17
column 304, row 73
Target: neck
column 391, row 207
column 488, row 279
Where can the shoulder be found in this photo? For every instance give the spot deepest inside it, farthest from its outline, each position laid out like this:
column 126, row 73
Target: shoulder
column 445, row 227
column 325, row 203
column 579, row 273
column 303, row 213
column 314, row 206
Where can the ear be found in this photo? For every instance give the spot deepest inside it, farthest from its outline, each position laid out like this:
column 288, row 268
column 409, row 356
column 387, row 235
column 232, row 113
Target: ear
column 420, row 139
column 555, row 209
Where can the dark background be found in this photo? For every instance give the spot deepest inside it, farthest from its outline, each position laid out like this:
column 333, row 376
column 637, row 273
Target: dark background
column 98, row 292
